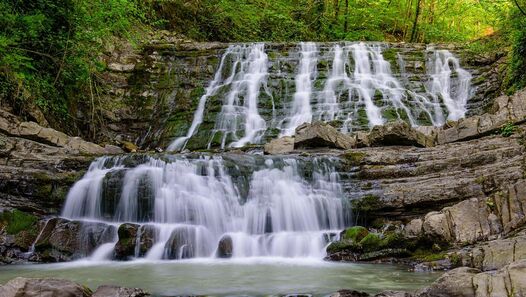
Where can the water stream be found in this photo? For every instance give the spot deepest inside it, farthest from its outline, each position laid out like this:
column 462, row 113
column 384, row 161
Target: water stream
column 352, row 85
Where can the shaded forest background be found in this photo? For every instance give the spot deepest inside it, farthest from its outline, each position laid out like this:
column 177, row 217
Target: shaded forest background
column 50, row 49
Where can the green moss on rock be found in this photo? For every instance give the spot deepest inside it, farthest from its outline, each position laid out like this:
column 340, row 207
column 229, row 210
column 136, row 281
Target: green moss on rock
column 16, row 221
column 356, row 233
column 354, row 158
column 371, row 242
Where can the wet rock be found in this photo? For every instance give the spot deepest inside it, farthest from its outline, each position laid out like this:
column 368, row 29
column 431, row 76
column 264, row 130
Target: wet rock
column 319, row 134
column 350, row 293
column 393, row 294
column 115, row 291
column 279, row 146
column 33, row 287
column 59, row 240
column 225, row 247
column 125, row 247
column 397, row 133
column 181, row 244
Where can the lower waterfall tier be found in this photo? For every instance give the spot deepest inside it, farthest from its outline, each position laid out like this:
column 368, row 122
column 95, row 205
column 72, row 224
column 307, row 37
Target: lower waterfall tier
column 176, row 207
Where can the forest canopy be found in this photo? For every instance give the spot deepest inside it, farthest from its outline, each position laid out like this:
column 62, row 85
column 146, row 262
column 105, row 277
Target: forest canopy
column 50, row 49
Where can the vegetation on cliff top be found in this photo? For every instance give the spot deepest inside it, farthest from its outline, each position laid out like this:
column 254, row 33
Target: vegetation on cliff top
column 50, row 51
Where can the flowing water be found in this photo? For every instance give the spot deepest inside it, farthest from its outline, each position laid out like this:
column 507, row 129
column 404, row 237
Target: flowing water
column 260, row 206
column 352, row 85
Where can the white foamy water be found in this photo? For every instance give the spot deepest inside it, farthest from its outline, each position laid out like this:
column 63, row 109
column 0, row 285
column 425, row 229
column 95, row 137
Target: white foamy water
column 356, row 88
column 194, row 203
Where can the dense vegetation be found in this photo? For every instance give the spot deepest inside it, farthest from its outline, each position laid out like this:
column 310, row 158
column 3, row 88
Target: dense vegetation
column 50, row 49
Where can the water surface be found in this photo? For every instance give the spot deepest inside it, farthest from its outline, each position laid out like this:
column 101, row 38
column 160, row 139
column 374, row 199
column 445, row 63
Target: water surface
column 255, row 277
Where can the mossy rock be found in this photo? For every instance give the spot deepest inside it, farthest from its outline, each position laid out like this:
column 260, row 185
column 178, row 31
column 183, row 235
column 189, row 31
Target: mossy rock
column 16, row 221
column 355, row 234
column 343, row 245
column 354, row 158
column 371, row 242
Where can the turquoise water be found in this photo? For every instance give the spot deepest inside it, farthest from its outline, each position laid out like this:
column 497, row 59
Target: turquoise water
column 255, row 277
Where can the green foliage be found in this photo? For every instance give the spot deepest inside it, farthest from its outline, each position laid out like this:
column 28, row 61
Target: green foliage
column 356, row 233
column 508, row 130
column 49, row 50
column 16, row 221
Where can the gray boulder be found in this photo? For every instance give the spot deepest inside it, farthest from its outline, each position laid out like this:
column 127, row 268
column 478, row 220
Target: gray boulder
column 33, row 287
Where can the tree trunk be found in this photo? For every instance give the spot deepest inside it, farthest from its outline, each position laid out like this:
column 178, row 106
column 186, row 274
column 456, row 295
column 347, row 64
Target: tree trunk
column 346, row 22
column 415, row 23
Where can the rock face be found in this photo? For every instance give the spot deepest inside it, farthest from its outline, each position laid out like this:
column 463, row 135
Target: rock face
column 27, row 287
column 280, row 146
column 407, row 182
column 11, row 126
column 320, row 134
column 398, row 133
column 466, row 282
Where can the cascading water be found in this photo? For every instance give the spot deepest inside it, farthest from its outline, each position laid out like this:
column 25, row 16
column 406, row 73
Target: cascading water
column 193, row 207
column 350, row 84
column 240, row 105
column 442, row 67
column 301, row 111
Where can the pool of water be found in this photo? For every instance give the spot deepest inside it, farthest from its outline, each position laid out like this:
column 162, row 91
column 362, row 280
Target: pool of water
column 254, row 277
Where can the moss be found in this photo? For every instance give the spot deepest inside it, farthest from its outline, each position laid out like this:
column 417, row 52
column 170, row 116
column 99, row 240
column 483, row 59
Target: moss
column 371, row 242
column 343, row 245
column 356, row 233
column 428, row 256
column 354, row 158
column 16, row 221
column 366, row 204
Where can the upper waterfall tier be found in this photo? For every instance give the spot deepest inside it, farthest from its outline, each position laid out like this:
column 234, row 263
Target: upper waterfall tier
column 192, row 205
column 257, row 93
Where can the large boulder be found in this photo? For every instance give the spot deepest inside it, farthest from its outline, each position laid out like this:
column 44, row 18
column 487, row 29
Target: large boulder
column 59, row 240
column 398, row 133
column 32, row 287
column 280, row 146
column 469, row 282
column 320, row 134
column 225, row 247
column 455, row 283
column 125, row 247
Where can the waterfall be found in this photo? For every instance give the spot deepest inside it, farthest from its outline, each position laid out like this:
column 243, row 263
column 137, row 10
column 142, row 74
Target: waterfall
column 261, row 91
column 217, row 83
column 240, row 105
column 301, row 111
column 275, row 207
column 448, row 79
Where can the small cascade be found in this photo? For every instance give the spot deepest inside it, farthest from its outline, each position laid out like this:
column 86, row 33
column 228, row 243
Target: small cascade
column 449, row 83
column 240, row 105
column 275, row 207
column 301, row 111
column 261, row 92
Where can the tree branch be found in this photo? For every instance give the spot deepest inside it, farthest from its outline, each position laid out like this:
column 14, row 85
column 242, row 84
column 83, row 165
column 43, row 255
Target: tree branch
column 519, row 7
